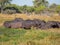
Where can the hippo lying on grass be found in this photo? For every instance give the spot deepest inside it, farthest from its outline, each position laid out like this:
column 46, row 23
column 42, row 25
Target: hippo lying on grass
column 51, row 24
column 27, row 24
column 17, row 23
column 39, row 23
column 7, row 24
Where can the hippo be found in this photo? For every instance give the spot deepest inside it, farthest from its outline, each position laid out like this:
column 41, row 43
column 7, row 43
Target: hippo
column 51, row 24
column 17, row 23
column 27, row 24
column 39, row 23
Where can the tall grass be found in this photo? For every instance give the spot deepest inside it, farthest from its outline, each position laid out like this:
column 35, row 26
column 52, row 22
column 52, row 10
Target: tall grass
column 28, row 37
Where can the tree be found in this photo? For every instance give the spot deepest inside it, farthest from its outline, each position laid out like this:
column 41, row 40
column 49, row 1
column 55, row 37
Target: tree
column 3, row 3
column 16, row 7
column 40, row 9
column 37, row 3
column 53, row 5
column 30, row 9
column 58, row 9
column 25, row 9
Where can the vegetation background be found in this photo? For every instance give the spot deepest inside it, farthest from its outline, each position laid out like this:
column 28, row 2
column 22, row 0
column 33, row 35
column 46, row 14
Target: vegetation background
column 41, row 11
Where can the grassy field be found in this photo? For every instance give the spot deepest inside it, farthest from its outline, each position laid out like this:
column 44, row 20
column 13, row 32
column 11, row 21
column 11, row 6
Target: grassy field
column 29, row 37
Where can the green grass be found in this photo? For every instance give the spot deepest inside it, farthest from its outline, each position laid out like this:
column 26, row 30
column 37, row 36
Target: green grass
column 6, row 34
column 26, row 37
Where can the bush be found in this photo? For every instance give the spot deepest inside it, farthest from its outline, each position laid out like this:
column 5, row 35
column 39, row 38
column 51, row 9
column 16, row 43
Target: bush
column 39, row 9
column 9, row 11
column 14, row 7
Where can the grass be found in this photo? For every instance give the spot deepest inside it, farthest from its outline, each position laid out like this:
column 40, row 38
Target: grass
column 7, row 34
column 28, row 37
column 6, row 17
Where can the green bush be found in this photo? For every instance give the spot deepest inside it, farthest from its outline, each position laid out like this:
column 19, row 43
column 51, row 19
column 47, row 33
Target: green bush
column 15, row 6
column 40, row 8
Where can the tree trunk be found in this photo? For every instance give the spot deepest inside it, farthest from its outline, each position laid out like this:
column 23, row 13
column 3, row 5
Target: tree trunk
column 2, row 8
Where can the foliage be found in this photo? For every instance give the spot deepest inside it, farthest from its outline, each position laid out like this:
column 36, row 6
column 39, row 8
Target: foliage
column 40, row 8
column 9, row 11
column 58, row 9
column 21, row 9
column 55, row 8
column 30, row 9
column 28, row 37
column 37, row 3
column 15, row 6
column 3, row 3
column 53, row 5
